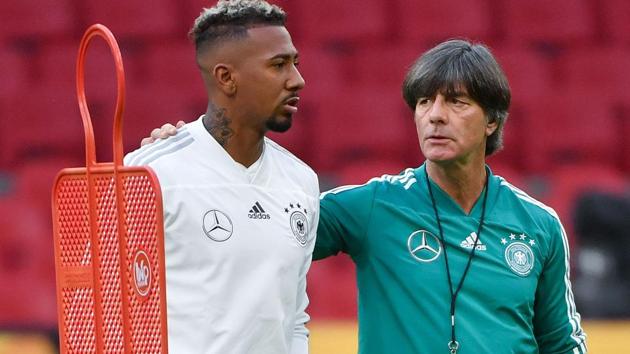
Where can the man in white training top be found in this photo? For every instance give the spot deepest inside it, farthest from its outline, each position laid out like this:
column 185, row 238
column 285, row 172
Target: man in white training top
column 240, row 212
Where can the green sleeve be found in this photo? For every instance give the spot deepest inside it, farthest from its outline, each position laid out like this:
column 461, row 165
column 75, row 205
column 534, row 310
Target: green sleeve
column 556, row 322
column 344, row 216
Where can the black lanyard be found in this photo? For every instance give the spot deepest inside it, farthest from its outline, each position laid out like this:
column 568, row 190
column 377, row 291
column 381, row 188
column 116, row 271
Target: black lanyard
column 453, row 345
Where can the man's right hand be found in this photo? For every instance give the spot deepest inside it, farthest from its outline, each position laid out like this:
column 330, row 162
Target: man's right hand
column 164, row 132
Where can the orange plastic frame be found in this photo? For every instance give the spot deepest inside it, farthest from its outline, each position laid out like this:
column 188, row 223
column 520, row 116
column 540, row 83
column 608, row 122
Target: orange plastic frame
column 109, row 242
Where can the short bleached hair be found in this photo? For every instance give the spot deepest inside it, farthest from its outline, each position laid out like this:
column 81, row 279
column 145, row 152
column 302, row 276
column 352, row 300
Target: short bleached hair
column 230, row 19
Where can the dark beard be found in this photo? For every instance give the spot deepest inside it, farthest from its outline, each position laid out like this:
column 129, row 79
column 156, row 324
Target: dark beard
column 277, row 125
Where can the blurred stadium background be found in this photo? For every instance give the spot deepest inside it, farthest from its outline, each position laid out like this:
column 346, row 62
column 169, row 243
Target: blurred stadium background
column 568, row 62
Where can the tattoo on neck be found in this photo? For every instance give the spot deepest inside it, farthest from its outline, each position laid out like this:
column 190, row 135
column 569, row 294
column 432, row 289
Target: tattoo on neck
column 218, row 125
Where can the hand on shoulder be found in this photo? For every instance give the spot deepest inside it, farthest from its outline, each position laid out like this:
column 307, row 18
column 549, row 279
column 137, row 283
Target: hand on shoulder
column 164, row 132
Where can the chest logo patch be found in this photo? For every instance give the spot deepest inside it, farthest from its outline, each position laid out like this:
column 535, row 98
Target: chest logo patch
column 518, row 254
column 217, row 225
column 298, row 222
column 424, row 246
column 470, row 242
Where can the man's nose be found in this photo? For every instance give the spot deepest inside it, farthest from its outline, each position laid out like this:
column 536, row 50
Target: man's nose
column 296, row 81
column 437, row 112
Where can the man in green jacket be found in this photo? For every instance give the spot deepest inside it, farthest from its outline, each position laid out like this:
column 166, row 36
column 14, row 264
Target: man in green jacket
column 451, row 258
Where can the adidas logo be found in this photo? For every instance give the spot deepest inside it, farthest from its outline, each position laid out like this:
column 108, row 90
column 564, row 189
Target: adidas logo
column 469, row 242
column 257, row 212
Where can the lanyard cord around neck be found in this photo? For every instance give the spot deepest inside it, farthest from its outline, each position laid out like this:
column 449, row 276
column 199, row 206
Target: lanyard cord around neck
column 453, row 345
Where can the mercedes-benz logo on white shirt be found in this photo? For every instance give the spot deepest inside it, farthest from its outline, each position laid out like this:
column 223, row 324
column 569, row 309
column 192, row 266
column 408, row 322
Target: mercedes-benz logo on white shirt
column 424, row 246
column 217, row 225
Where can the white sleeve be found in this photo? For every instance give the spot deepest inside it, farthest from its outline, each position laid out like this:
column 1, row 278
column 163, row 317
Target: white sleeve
column 299, row 344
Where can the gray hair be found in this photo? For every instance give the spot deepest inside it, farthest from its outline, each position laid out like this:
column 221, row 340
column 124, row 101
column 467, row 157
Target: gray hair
column 230, row 19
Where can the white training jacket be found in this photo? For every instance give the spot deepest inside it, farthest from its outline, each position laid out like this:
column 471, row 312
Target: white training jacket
column 238, row 244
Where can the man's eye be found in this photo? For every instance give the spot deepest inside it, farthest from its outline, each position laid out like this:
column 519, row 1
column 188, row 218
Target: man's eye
column 423, row 101
column 278, row 65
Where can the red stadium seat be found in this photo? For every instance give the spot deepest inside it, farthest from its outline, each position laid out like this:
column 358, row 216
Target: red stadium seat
column 615, row 19
column 44, row 121
column 135, row 18
column 56, row 66
column 331, row 21
column 37, row 19
column 360, row 122
column 600, row 71
column 174, row 64
column 432, row 21
column 528, row 72
column 541, row 21
column 385, row 64
column 14, row 72
column 529, row 77
column 625, row 132
column 15, row 75
column 27, row 271
column 323, row 71
column 570, row 128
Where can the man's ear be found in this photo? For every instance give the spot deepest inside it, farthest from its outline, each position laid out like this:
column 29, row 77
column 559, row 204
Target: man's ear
column 224, row 77
column 491, row 127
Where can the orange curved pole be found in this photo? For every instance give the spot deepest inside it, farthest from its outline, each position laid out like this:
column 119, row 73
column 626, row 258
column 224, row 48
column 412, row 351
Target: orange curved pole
column 99, row 30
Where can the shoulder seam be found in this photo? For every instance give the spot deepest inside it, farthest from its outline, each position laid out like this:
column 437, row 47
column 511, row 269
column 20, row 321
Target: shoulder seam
column 529, row 199
column 165, row 151
column 360, row 251
column 406, row 180
column 146, row 151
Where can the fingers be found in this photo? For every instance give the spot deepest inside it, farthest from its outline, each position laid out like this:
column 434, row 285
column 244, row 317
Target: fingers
column 168, row 129
column 164, row 132
column 146, row 141
column 157, row 134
